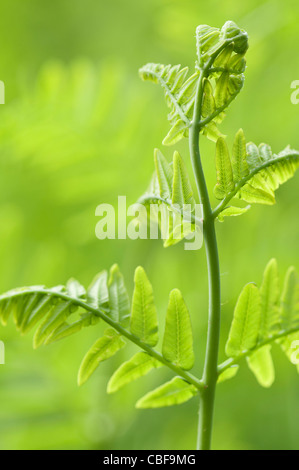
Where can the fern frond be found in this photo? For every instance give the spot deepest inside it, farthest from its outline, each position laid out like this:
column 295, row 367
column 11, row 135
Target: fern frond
column 179, row 93
column 220, row 55
column 264, row 317
column 257, row 173
column 170, row 200
column 65, row 310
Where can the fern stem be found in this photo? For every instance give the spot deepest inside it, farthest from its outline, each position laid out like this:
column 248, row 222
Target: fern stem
column 210, row 374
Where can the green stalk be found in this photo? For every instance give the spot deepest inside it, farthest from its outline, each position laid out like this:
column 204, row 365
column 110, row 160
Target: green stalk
column 210, row 374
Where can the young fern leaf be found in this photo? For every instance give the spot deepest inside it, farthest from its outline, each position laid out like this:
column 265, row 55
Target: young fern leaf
column 290, row 313
column 179, row 93
column 290, row 300
column 225, row 181
column 228, row 374
column 270, row 301
column 97, row 293
column 54, row 307
column 221, row 57
column 103, row 349
column 208, row 102
column 175, row 392
column 261, row 365
column 144, row 320
column 257, row 174
column 31, row 310
column 239, row 162
column 219, row 52
column 212, row 41
column 138, row 366
column 170, row 200
column 232, row 211
column 244, row 331
column 164, row 175
column 182, row 193
column 75, row 289
column 57, row 315
column 178, row 339
column 119, row 302
column 68, row 329
column 261, row 320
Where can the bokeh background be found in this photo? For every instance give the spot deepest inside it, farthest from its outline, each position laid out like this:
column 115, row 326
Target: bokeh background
column 78, row 129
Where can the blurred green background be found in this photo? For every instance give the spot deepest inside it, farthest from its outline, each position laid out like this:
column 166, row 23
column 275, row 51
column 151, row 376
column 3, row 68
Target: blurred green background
column 78, row 129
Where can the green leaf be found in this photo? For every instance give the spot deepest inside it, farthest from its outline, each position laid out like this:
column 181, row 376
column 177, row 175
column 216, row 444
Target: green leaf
column 103, row 349
column 223, row 59
column 253, row 195
column 212, row 132
column 35, row 311
column 182, row 193
column 238, row 36
column 270, row 294
column 178, row 339
column 267, row 172
column 239, row 162
column 67, row 329
column 164, row 174
column 261, row 364
column 290, row 346
column 208, row 104
column 210, row 41
column 244, row 331
column 252, row 156
column 144, row 321
column 55, row 317
column 166, row 209
column 207, row 38
column 53, row 307
column 179, row 93
column 289, row 319
column 228, row 374
column 119, row 303
column 175, row 227
column 221, row 89
column 225, row 181
column 138, row 366
column 260, row 320
column 176, row 133
column 97, row 293
column 25, row 309
column 75, row 289
column 227, row 88
column 290, row 300
column 6, row 307
column 175, row 392
column 232, row 211
column 223, row 64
